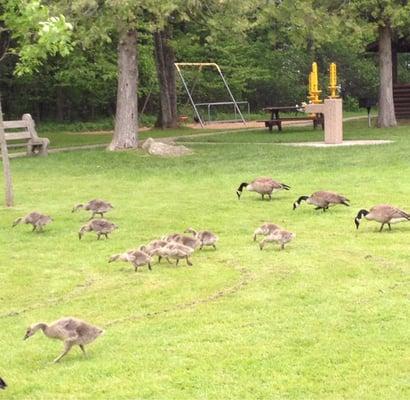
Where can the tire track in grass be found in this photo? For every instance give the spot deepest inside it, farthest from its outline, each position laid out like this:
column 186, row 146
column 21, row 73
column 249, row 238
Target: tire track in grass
column 246, row 276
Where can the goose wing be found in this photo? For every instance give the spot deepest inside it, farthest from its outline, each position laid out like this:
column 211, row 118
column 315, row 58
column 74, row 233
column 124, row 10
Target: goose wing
column 387, row 211
column 330, row 197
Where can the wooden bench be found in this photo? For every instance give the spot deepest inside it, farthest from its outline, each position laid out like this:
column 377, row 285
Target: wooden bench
column 317, row 120
column 24, row 132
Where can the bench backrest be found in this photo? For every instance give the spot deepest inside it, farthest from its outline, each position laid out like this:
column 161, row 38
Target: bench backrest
column 20, row 129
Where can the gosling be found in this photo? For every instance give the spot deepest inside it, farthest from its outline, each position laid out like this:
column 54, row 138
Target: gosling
column 136, row 257
column 384, row 214
column 153, row 248
column 206, row 238
column 322, row 200
column 263, row 186
column 176, row 251
column 37, row 220
column 71, row 331
column 265, row 230
column 279, row 236
column 96, row 206
column 101, row 227
column 182, row 239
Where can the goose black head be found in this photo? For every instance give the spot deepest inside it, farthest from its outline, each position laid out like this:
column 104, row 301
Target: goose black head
column 362, row 213
column 296, row 204
column 3, row 384
column 240, row 188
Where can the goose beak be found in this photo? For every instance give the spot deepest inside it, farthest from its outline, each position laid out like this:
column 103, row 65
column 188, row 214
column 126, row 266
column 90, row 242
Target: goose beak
column 357, row 223
column 238, row 193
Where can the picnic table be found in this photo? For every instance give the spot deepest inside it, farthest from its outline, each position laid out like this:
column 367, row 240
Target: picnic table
column 276, row 119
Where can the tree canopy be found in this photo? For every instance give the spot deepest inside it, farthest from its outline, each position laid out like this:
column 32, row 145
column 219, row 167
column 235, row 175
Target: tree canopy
column 265, row 48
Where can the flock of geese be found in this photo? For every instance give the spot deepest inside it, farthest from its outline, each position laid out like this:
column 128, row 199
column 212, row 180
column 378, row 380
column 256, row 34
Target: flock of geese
column 382, row 213
column 75, row 332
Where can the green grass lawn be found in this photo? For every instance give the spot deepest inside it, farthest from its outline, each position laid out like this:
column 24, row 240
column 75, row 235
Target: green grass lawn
column 327, row 318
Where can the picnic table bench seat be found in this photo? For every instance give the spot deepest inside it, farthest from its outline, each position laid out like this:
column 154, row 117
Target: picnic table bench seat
column 276, row 120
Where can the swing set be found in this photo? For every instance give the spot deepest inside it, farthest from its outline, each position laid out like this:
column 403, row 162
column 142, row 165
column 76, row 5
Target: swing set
column 200, row 66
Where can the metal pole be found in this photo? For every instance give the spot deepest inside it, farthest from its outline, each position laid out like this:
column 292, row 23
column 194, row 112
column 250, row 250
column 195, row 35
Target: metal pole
column 230, row 93
column 209, row 112
column 369, row 122
column 6, row 164
column 190, row 97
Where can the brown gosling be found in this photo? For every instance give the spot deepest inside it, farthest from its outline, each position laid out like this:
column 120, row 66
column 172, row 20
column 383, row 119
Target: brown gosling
column 322, row 200
column 206, row 238
column 384, row 214
column 96, row 206
column 3, row 384
column 176, row 251
column 263, row 186
column 137, row 258
column 182, row 239
column 71, row 331
column 265, row 230
column 99, row 226
column 37, row 220
column 279, row 236
column 153, row 248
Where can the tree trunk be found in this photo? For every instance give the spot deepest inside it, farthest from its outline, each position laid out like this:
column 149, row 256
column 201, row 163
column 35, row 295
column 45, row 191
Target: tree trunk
column 165, row 58
column 6, row 164
column 387, row 117
column 126, row 117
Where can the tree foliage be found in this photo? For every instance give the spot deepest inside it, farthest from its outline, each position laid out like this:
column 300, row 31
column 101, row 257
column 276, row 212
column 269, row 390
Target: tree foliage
column 264, row 47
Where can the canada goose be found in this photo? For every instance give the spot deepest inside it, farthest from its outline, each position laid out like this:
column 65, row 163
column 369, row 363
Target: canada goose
column 176, row 251
column 96, row 206
column 384, row 214
column 322, row 200
column 137, row 257
column 71, row 331
column 182, row 239
column 3, row 384
column 99, row 226
column 279, row 236
column 37, row 220
column 265, row 230
column 206, row 238
column 153, row 247
column 262, row 185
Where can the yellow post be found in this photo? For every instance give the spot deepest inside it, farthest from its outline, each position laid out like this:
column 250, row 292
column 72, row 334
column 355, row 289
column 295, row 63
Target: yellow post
column 314, row 86
column 333, row 81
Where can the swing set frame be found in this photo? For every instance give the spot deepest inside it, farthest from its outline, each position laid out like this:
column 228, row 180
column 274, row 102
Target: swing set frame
column 179, row 67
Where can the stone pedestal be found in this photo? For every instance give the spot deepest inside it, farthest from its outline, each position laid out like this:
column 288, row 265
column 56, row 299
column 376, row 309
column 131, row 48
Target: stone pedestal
column 332, row 110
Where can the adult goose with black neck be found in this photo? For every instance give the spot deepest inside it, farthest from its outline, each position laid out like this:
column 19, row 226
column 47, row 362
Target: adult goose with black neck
column 384, row 214
column 322, row 200
column 263, row 186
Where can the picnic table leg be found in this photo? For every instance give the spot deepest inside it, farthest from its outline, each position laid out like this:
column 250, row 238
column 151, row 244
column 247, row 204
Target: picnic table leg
column 279, row 126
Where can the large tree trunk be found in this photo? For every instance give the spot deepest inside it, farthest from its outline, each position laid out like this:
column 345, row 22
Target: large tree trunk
column 387, row 117
column 126, row 117
column 165, row 58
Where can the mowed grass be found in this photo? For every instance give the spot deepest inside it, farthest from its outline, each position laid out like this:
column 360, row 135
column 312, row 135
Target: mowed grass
column 327, row 318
